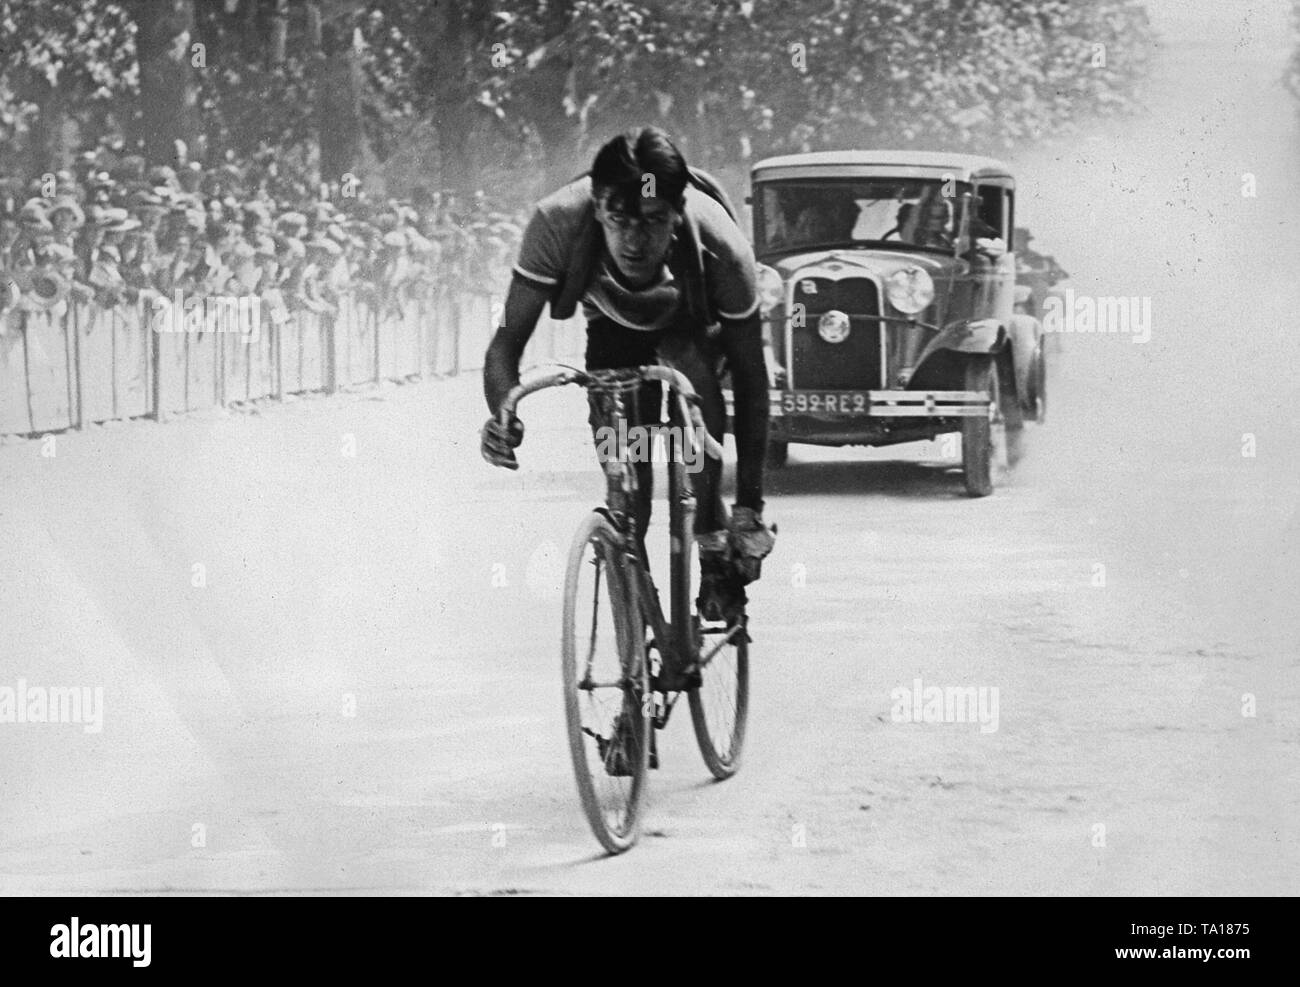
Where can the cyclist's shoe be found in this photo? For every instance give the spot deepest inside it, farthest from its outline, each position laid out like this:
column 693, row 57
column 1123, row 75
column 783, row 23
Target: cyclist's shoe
column 751, row 541
column 722, row 594
column 618, row 751
column 674, row 680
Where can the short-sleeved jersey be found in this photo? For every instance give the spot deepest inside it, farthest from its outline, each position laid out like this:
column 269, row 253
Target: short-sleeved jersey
column 710, row 273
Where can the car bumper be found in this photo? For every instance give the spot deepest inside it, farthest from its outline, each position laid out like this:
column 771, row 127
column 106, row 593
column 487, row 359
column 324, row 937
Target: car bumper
column 880, row 404
column 886, row 417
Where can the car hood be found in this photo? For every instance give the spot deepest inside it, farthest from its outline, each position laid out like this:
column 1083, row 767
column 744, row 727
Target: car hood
column 881, row 263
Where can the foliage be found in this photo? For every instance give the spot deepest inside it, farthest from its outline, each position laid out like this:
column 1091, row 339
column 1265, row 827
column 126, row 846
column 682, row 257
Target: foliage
column 518, row 94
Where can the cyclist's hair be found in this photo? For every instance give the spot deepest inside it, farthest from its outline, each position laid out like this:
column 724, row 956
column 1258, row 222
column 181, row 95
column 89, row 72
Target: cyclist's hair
column 621, row 165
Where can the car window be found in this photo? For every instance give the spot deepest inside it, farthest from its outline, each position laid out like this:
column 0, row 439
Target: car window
column 887, row 212
column 990, row 212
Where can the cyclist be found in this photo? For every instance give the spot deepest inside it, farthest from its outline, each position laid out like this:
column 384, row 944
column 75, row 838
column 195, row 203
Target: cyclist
column 663, row 272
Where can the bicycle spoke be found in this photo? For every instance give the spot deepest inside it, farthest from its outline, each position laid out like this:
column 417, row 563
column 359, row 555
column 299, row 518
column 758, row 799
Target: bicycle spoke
column 595, row 616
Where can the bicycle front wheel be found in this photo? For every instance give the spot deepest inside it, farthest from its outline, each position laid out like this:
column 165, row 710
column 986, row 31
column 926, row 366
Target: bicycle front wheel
column 607, row 696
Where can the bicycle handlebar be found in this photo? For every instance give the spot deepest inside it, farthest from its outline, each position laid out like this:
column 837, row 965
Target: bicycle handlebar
column 675, row 379
column 556, row 378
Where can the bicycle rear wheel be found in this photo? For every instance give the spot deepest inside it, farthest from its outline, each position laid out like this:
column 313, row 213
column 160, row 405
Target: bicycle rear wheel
column 606, row 685
column 720, row 704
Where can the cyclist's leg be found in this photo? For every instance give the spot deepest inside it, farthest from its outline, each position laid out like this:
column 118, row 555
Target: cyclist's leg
column 691, row 354
column 722, row 594
column 611, row 346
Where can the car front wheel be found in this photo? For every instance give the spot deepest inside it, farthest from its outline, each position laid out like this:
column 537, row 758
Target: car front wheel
column 777, row 453
column 983, row 437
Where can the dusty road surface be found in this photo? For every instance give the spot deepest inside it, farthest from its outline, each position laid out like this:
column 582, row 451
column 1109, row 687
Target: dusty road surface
column 339, row 673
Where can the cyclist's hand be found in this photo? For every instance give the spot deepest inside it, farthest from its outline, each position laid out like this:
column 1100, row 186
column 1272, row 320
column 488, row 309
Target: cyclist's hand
column 498, row 442
column 751, row 541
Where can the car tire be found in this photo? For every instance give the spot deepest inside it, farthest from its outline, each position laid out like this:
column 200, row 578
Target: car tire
column 983, row 438
column 777, row 453
column 1013, row 414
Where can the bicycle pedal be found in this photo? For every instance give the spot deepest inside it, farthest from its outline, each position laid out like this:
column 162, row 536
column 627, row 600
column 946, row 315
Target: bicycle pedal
column 615, row 748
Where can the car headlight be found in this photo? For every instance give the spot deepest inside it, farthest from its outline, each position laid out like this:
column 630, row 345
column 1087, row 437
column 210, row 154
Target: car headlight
column 910, row 290
column 771, row 290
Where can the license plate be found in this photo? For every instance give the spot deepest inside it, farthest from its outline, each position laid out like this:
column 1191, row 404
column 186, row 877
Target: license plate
column 834, row 402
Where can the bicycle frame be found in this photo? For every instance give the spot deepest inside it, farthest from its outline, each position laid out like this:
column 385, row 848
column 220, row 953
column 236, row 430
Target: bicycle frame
column 674, row 638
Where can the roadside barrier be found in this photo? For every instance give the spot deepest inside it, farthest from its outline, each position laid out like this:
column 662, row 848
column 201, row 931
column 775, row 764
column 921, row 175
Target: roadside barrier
column 81, row 363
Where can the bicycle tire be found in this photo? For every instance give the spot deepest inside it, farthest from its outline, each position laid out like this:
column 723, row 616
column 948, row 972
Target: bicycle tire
column 611, row 798
column 722, row 741
column 724, row 683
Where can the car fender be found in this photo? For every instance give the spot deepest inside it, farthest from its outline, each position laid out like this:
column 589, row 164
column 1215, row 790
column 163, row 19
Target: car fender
column 968, row 336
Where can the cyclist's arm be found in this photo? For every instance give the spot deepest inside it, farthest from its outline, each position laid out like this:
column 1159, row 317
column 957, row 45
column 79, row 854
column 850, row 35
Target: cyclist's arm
column 742, row 344
column 733, row 293
column 524, row 304
column 543, row 255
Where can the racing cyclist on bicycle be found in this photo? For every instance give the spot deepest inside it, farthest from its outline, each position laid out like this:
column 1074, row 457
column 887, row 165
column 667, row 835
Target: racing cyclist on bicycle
column 664, row 274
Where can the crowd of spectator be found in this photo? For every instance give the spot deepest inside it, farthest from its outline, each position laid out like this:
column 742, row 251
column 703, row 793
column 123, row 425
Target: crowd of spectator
column 111, row 230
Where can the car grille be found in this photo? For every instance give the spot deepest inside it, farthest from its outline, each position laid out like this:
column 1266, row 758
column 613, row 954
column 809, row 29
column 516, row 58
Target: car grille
column 853, row 364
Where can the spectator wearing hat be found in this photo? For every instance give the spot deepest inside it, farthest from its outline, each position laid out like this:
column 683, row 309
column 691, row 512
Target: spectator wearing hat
column 246, row 272
column 104, row 257
column 319, row 286
column 203, row 271
column 395, row 272
column 139, row 252
column 292, row 257
column 173, row 258
column 102, row 188
column 274, row 309
column 67, row 218
column 163, row 176
column 35, row 230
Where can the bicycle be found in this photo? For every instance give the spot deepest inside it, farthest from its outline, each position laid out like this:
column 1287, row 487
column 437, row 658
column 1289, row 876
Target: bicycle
column 619, row 690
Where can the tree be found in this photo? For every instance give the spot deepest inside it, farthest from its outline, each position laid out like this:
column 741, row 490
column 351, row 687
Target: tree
column 167, row 94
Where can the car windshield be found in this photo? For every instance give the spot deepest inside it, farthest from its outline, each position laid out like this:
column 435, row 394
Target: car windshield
column 889, row 212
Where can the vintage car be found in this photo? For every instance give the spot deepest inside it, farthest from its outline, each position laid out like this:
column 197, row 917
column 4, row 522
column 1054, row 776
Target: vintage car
column 888, row 288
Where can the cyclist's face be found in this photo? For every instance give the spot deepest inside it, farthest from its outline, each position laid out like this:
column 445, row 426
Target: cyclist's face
column 638, row 244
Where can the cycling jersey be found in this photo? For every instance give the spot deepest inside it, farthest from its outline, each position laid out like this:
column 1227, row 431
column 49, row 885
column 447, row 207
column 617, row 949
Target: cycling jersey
column 709, row 274
column 709, row 278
